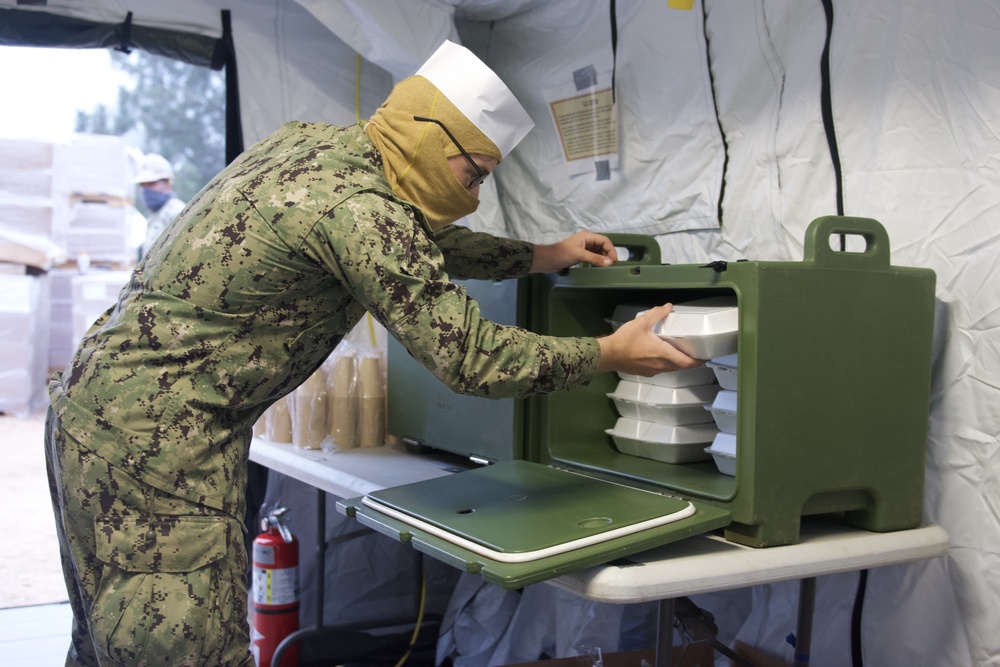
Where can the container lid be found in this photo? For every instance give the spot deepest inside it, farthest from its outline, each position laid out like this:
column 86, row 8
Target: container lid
column 651, row 394
column 661, row 434
column 686, row 377
column 554, row 513
column 513, row 512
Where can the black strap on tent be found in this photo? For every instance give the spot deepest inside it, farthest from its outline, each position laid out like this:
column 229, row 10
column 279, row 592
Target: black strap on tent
column 225, row 56
column 715, row 106
column 28, row 27
column 826, row 101
column 614, row 47
column 125, row 35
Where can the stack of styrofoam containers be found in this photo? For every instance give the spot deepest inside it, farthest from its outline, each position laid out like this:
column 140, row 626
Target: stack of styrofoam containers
column 664, row 417
column 33, row 217
column 23, row 340
column 61, row 342
column 94, row 293
column 723, row 409
column 97, row 172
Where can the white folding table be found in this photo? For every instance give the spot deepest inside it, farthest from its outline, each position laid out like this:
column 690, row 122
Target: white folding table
column 700, row 564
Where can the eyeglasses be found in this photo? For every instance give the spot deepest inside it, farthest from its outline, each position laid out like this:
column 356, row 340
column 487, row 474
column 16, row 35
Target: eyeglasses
column 480, row 174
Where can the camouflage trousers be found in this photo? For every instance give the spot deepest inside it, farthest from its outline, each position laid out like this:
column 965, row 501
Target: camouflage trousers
column 153, row 579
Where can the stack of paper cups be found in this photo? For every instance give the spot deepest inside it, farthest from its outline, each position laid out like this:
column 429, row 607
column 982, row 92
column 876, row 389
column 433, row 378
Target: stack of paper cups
column 278, row 422
column 260, row 427
column 309, row 412
column 341, row 403
column 371, row 404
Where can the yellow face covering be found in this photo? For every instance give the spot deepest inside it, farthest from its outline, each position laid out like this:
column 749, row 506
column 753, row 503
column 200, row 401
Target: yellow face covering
column 415, row 154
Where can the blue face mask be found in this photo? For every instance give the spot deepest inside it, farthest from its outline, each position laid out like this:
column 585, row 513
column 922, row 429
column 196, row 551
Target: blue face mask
column 154, row 199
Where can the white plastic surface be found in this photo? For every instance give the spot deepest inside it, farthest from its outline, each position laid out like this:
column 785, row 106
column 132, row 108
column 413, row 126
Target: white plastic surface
column 709, row 563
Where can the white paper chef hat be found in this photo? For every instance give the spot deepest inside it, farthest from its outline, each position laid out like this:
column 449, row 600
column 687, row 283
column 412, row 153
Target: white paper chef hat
column 472, row 86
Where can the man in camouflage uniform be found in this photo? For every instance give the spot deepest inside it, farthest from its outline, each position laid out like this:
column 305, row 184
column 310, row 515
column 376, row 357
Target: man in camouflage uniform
column 238, row 302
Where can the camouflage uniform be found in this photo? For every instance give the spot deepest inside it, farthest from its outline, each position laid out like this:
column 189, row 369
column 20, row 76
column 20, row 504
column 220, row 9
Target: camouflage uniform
column 238, row 302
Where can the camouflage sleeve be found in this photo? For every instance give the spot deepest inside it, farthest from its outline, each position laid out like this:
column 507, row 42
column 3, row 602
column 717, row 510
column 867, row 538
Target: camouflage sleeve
column 383, row 256
column 469, row 254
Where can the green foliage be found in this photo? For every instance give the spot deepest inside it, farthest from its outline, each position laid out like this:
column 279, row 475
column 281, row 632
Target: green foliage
column 172, row 108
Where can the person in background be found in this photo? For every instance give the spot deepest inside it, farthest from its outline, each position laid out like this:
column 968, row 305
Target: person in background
column 240, row 300
column 155, row 179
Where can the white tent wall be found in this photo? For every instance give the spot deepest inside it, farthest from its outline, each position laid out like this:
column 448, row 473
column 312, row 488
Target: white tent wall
column 724, row 156
column 292, row 68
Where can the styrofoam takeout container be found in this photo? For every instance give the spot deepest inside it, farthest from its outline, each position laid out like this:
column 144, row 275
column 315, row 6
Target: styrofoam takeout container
column 686, row 377
column 664, row 405
column 703, row 329
column 723, row 450
column 725, row 369
column 723, row 410
column 669, row 443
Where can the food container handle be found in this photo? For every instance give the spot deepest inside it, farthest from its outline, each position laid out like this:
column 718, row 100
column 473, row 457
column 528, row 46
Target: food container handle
column 819, row 249
column 641, row 248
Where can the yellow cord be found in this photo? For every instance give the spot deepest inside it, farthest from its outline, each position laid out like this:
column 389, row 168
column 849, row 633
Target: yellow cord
column 420, row 614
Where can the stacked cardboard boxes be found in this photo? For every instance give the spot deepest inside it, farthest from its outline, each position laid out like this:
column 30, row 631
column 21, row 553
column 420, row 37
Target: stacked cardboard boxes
column 60, row 203
column 33, row 217
column 24, row 316
column 97, row 173
column 77, row 300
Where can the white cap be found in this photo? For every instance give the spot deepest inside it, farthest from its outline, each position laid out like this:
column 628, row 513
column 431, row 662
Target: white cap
column 479, row 94
column 152, row 168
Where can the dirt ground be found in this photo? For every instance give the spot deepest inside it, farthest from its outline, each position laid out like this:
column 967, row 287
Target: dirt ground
column 29, row 553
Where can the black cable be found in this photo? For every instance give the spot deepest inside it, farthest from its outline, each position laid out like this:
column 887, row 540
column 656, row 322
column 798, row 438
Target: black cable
column 718, row 120
column 234, row 124
column 857, row 659
column 826, row 101
column 614, row 48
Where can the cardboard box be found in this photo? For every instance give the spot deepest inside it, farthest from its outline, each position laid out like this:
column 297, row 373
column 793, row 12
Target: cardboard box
column 24, row 338
column 98, row 164
column 101, row 230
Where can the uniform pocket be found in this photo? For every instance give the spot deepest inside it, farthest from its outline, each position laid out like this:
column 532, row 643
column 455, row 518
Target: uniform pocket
column 158, row 599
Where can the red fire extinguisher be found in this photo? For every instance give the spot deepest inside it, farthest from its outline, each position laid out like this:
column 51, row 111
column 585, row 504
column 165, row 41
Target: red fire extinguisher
column 275, row 590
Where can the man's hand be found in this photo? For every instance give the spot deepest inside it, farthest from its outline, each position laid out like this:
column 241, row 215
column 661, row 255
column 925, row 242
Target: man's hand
column 635, row 349
column 594, row 249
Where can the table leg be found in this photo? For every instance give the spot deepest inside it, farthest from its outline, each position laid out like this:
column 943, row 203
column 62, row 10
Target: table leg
column 803, row 630
column 664, row 632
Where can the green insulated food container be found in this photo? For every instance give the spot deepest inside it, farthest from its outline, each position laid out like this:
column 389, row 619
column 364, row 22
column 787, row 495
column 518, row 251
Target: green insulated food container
column 833, row 379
